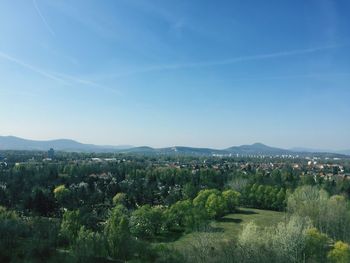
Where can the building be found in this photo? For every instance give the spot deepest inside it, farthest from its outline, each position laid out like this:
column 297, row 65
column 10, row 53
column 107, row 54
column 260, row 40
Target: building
column 51, row 153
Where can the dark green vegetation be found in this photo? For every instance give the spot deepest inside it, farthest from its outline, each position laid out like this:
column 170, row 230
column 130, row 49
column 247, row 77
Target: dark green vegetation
column 135, row 208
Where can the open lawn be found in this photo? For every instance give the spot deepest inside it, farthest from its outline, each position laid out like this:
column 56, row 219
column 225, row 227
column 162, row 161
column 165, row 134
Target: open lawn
column 230, row 226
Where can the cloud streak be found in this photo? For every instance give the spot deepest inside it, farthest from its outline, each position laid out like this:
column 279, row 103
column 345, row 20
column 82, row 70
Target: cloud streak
column 65, row 79
column 32, row 68
column 43, row 19
column 223, row 62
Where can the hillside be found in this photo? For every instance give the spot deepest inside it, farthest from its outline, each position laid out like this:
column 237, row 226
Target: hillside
column 16, row 143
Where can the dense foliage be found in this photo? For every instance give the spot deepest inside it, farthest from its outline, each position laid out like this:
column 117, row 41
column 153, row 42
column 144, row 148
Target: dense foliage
column 97, row 208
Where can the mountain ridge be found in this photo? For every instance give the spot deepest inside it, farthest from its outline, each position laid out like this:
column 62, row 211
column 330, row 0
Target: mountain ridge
column 17, row 143
column 69, row 145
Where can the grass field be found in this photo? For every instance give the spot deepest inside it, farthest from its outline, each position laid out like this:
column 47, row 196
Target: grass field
column 230, row 226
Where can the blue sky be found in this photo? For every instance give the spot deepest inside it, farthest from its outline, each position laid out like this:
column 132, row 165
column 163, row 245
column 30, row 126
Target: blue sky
column 161, row 73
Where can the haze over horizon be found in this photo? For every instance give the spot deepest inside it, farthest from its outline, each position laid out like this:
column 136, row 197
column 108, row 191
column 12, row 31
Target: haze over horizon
column 164, row 73
column 127, row 146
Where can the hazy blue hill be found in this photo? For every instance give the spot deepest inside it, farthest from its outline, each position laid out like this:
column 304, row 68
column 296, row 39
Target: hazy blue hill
column 141, row 149
column 190, row 150
column 257, row 148
column 310, row 150
column 347, row 152
column 176, row 150
column 16, row 143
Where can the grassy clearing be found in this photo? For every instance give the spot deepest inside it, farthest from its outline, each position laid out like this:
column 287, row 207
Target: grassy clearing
column 230, row 226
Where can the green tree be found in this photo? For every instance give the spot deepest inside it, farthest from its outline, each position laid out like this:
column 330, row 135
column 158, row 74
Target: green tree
column 215, row 205
column 201, row 199
column 176, row 214
column 329, row 214
column 11, row 229
column 288, row 240
column 62, row 195
column 117, row 234
column 89, row 246
column 70, row 226
column 309, row 201
column 41, row 202
column 280, row 200
column 120, row 198
column 189, row 191
column 146, row 221
column 340, row 253
column 232, row 199
column 183, row 214
column 336, row 219
column 316, row 245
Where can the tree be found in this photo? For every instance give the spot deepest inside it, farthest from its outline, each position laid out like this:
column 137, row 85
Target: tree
column 89, row 245
column 146, row 221
column 41, row 202
column 288, row 240
column 340, row 253
column 316, row 245
column 62, row 194
column 201, row 199
column 70, row 226
column 211, row 201
column 336, row 220
column 284, row 243
column 309, row 201
column 232, row 199
column 280, row 200
column 183, row 214
column 215, row 205
column 117, row 234
column 251, row 244
column 329, row 214
column 11, row 229
column 175, row 215
column 120, row 198
column 189, row 191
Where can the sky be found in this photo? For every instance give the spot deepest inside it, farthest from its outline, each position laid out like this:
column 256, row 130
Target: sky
column 177, row 72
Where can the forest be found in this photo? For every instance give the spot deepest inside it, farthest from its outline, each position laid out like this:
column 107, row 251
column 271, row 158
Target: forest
column 136, row 208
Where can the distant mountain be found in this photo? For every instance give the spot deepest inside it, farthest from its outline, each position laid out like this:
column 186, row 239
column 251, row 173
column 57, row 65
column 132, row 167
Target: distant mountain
column 309, row 150
column 15, row 143
column 176, row 150
column 190, row 150
column 257, row 149
column 243, row 150
column 347, row 152
column 141, row 149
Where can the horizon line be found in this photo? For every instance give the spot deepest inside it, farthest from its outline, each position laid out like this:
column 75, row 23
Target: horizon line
column 293, row 148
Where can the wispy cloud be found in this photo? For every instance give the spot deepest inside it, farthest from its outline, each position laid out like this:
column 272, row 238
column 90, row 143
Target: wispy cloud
column 65, row 79
column 32, row 68
column 222, row 62
column 43, row 19
column 88, row 83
